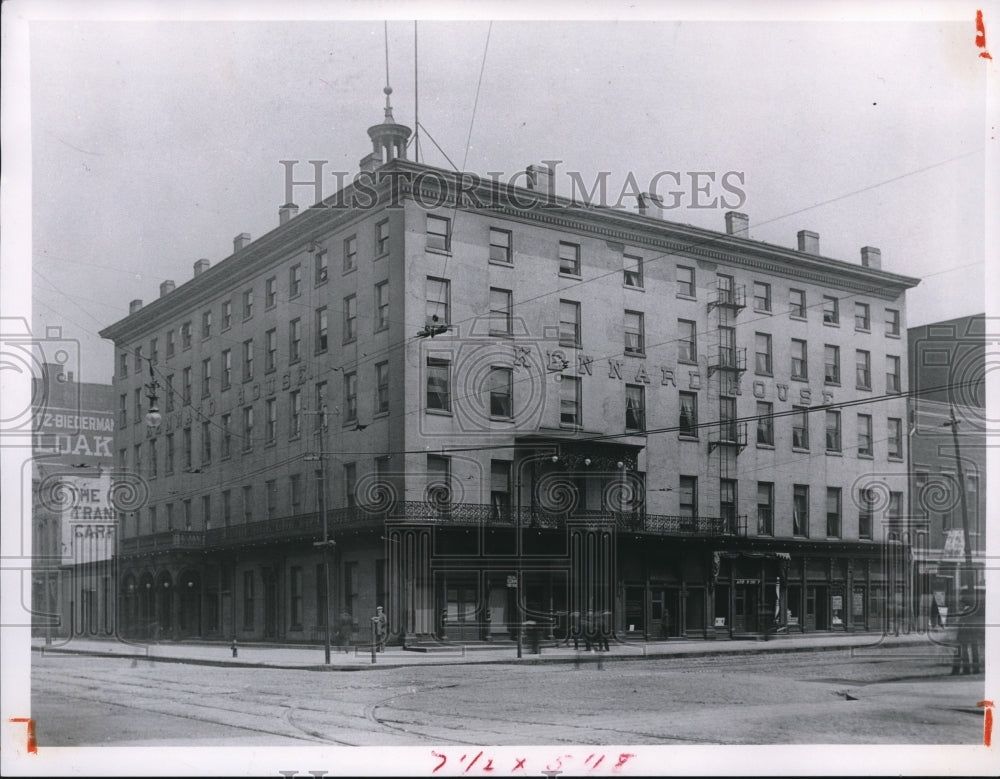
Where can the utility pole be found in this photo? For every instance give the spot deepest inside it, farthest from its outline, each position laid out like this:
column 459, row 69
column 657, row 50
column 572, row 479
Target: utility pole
column 970, row 574
column 327, row 542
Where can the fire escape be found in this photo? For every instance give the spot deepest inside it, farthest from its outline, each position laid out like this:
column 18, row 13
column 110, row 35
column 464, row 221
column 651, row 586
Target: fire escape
column 726, row 364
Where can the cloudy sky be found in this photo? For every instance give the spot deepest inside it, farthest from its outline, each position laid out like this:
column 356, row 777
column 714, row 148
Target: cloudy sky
column 153, row 143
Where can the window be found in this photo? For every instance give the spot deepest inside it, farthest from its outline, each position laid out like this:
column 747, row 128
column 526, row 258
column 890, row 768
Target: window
column 833, row 431
column 381, row 306
column 831, row 364
column 247, row 304
column 227, row 435
column 137, row 456
column 206, row 442
column 137, row 405
column 500, row 319
column 437, row 309
column 831, row 310
column 685, row 281
column 382, row 238
column 206, row 511
column 724, row 285
column 270, row 420
column 295, row 596
column 633, row 270
column 727, row 418
column 295, row 281
column 227, row 368
column 123, row 409
column 863, row 361
column 500, row 246
column 248, row 503
column 765, row 423
column 891, row 373
column 797, row 303
column 891, row 322
column 227, row 314
column 186, row 386
column 123, row 364
column 271, row 496
column 833, row 512
column 295, row 493
column 206, row 324
column 171, row 346
column 168, row 465
column 500, row 385
column 687, row 342
column 866, row 509
column 689, row 414
column 294, row 341
column 500, row 488
column 438, row 384
column 569, row 258
column 864, row 435
column 271, row 292
column 728, row 503
column 895, row 438
column 569, row 323
column 350, row 396
column 170, row 516
column 169, row 394
column 569, row 402
column 635, row 407
column 227, row 507
column 382, row 388
column 765, row 508
column 188, row 454
column 634, row 335
column 320, row 405
column 800, row 428
column 321, row 269
column 762, row 363
column 800, row 510
column 438, row 233
column 689, row 496
column 321, row 327
column 152, row 520
column 350, row 253
column 727, row 347
column 294, row 413
column 152, row 458
column 186, row 335
column 761, row 296
column 800, row 363
column 894, row 512
column 270, row 350
column 247, row 428
column 154, row 353
column 206, row 377
column 248, row 360
column 248, row 600
column 862, row 317
column 322, row 604
column 350, row 484
column 439, row 481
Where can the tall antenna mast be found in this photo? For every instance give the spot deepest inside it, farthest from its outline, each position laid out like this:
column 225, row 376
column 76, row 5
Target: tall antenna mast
column 416, row 100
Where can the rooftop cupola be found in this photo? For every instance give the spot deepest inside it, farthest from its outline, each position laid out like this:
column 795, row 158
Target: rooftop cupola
column 388, row 139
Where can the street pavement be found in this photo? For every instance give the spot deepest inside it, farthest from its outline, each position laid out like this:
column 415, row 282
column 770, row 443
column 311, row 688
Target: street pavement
column 311, row 657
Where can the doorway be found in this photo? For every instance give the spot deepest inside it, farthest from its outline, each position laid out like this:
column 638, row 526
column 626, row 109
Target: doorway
column 462, row 619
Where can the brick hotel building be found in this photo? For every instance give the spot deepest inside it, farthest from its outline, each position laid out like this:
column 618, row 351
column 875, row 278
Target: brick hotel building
column 589, row 408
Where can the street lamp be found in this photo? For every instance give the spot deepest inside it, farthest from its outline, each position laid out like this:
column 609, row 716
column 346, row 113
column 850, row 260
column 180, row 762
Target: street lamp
column 327, row 542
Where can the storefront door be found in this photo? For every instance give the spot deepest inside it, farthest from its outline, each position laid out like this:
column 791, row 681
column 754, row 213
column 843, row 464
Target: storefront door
column 462, row 608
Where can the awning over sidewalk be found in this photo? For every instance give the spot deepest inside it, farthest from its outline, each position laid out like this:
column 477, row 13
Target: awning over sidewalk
column 783, row 558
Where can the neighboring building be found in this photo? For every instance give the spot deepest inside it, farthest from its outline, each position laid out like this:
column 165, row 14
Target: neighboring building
column 525, row 394
column 947, row 375
column 73, row 520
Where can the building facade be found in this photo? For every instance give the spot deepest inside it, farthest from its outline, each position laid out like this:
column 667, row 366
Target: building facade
column 948, row 461
column 506, row 406
column 73, row 506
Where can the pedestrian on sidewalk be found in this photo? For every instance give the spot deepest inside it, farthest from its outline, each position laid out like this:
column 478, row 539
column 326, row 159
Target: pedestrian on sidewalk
column 379, row 621
column 665, row 623
column 604, row 631
column 345, row 630
column 573, row 631
column 589, row 631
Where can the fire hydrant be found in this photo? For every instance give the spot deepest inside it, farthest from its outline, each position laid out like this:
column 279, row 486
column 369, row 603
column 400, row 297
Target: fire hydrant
column 233, row 647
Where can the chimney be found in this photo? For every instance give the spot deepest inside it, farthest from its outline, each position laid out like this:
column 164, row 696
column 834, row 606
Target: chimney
column 739, row 225
column 286, row 212
column 542, row 178
column 134, row 306
column 240, row 241
column 201, row 266
column 650, row 205
column 808, row 242
column 871, row 257
column 166, row 287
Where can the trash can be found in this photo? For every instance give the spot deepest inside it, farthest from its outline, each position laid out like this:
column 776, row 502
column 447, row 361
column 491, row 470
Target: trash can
column 534, row 635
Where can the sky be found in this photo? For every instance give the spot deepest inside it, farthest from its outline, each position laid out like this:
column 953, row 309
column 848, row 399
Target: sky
column 154, row 143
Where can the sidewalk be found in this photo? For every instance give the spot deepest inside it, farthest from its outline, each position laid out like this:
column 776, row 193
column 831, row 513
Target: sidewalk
column 360, row 658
